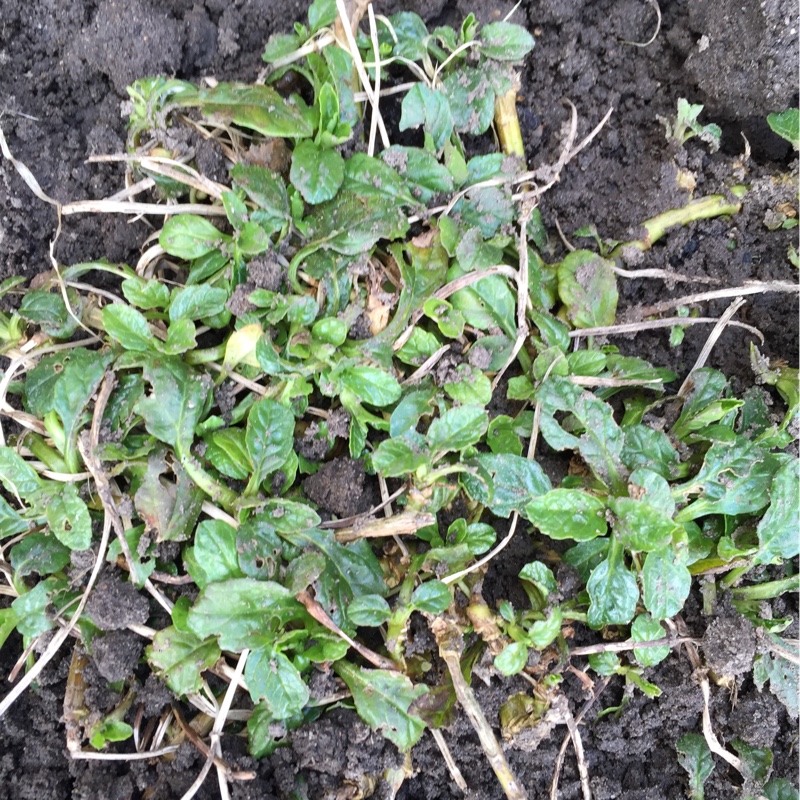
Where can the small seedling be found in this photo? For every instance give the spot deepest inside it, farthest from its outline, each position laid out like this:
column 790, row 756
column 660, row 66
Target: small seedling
column 686, row 126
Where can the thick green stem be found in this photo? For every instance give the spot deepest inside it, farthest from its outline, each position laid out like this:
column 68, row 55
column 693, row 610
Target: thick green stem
column 46, row 454
column 205, row 356
column 768, row 590
column 715, row 205
column 215, row 490
column 506, row 121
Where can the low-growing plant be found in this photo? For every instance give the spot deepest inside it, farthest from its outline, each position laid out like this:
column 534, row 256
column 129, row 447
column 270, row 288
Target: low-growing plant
column 376, row 306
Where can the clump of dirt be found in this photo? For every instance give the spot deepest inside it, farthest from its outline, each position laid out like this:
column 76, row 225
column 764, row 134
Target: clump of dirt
column 114, row 604
column 340, row 486
column 729, row 645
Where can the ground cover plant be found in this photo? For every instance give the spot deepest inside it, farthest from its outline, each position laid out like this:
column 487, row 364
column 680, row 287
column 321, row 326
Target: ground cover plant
column 368, row 308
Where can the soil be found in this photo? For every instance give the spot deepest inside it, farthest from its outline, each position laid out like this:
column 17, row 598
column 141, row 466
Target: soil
column 64, row 66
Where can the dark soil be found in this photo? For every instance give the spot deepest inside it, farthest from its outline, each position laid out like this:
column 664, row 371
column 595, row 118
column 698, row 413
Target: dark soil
column 64, row 66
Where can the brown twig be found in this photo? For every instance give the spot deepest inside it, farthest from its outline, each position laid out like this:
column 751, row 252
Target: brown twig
column 321, row 616
column 399, row 525
column 448, row 637
column 598, row 690
column 624, row 647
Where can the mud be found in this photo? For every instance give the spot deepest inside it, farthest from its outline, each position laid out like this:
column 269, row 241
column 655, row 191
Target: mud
column 64, row 66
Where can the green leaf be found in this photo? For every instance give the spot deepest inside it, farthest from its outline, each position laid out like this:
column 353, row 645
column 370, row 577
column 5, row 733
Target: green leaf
column 11, row 523
column 8, row 621
column 587, row 286
column 373, row 180
column 280, row 45
column 544, row 632
column 317, row 173
column 272, row 677
column 787, row 125
column 109, row 730
column 146, row 294
column 330, row 331
column 756, row 762
column 488, row 209
column 779, row 789
column 350, row 571
column 368, row 611
column 170, row 509
column 197, row 302
column 543, row 583
column 505, row 41
column 783, row 678
column 568, row 514
column 703, row 404
column 695, row 757
column 420, row 345
column 73, row 391
column 214, row 556
column 129, row 327
column 383, row 700
column 48, row 310
column 650, row 449
column 242, row 611
column 601, row 441
column 18, row 477
column 409, row 410
column 175, row 405
column 351, row 225
column 288, row 516
column 502, row 436
column 665, row 584
column 412, row 35
column 179, row 658
column 31, row 608
column 604, row 663
column 512, row 659
column 653, row 489
column 515, row 482
column 431, row 597
column 259, row 550
column 227, row 451
column 471, row 98
column 38, row 552
column 321, row 14
column 429, row 108
column 647, row 629
column 189, row 236
column 612, row 591
column 735, row 479
column 180, row 338
column 69, row 519
column 269, row 438
column 471, row 386
column 257, row 107
column 264, row 187
column 40, row 382
column 370, row 385
column 640, row 526
column 777, row 529
column 424, row 175
column 395, row 457
column 457, row 428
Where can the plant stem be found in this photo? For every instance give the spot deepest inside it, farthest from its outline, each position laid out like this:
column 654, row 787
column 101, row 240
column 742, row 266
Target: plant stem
column 768, row 590
column 205, row 356
column 715, row 205
column 448, row 637
column 507, row 123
